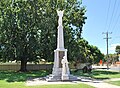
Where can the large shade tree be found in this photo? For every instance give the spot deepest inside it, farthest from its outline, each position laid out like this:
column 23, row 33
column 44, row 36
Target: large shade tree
column 19, row 27
column 28, row 28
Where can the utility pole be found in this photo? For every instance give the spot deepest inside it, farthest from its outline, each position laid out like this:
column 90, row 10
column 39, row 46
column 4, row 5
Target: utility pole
column 107, row 37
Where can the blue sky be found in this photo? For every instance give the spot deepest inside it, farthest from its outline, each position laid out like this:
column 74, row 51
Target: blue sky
column 102, row 16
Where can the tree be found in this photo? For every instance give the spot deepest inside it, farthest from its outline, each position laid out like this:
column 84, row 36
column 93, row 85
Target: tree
column 95, row 54
column 113, row 58
column 28, row 28
column 117, row 49
column 19, row 31
column 83, row 52
column 73, row 19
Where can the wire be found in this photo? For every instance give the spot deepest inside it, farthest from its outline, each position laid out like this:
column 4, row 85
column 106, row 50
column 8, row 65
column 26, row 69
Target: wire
column 111, row 19
column 117, row 20
column 107, row 14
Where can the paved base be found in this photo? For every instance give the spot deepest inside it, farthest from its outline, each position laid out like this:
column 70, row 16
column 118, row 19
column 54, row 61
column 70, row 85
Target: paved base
column 41, row 81
column 47, row 83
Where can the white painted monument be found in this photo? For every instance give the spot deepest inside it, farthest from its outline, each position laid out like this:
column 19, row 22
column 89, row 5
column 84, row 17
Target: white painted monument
column 65, row 69
column 60, row 67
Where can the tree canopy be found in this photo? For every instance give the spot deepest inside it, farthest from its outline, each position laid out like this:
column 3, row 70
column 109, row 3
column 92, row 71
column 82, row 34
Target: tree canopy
column 84, row 52
column 117, row 49
column 28, row 28
column 28, row 31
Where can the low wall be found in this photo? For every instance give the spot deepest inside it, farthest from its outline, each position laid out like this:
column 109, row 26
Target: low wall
column 16, row 67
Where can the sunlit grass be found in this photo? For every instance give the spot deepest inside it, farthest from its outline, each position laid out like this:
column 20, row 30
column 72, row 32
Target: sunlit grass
column 23, row 85
column 98, row 74
column 80, row 85
column 11, row 79
column 115, row 82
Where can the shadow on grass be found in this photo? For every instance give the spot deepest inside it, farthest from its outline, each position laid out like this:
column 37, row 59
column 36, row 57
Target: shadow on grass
column 97, row 74
column 12, row 76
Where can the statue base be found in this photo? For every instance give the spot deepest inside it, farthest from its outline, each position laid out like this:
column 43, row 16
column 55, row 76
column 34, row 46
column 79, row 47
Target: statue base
column 53, row 78
column 65, row 77
column 57, row 68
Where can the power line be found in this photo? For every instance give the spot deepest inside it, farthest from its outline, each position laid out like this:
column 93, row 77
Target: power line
column 116, row 16
column 115, row 31
column 111, row 19
column 107, row 14
column 107, row 37
column 116, row 22
column 115, row 11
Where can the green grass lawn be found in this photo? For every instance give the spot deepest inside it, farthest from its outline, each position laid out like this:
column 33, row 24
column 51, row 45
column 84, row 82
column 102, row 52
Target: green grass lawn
column 115, row 82
column 99, row 74
column 22, row 85
column 11, row 79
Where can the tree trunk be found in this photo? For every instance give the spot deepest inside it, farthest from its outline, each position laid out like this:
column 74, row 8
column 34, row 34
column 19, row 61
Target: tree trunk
column 23, row 65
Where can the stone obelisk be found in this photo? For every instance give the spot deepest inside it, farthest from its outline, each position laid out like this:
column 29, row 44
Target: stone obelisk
column 60, row 52
column 60, row 67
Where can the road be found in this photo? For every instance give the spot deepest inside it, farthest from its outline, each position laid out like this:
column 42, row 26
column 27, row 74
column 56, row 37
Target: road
column 111, row 68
